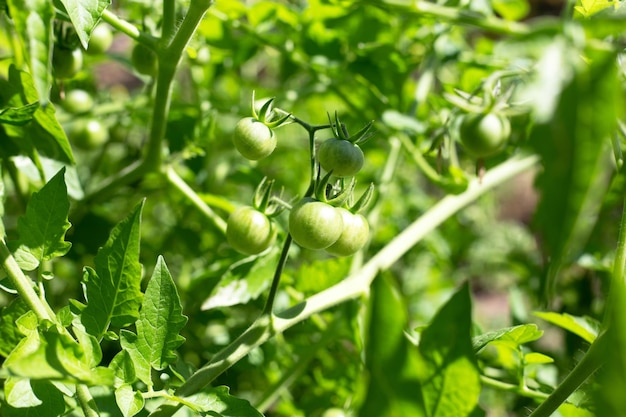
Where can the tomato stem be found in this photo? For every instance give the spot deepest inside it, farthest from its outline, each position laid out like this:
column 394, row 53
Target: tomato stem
column 269, row 304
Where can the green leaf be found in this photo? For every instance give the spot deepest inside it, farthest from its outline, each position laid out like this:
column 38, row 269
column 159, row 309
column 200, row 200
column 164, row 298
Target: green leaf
column 393, row 388
column 448, row 370
column 575, row 149
column 511, row 9
column 33, row 22
column 84, row 16
column 244, row 281
column 30, row 398
column 160, row 321
column 9, row 333
column 537, row 358
column 123, row 368
column 113, row 290
column 128, row 400
column 217, row 401
column 585, row 327
column 18, row 115
column 511, row 336
column 42, row 229
column 43, row 134
column 48, row 354
column 587, row 8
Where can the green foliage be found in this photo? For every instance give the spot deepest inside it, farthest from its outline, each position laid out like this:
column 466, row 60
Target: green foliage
column 473, row 244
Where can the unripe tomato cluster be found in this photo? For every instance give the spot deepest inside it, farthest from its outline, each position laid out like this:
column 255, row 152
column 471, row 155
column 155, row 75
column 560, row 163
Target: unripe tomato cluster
column 317, row 225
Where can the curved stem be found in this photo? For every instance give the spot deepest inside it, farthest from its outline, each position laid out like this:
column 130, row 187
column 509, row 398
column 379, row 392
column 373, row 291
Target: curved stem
column 353, row 286
column 269, row 304
column 86, row 401
column 504, row 386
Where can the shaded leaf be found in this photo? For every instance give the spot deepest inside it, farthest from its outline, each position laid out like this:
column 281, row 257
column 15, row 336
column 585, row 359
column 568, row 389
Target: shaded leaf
column 393, row 387
column 217, row 401
column 447, row 366
column 33, row 21
column 141, row 365
column 18, row 115
column 123, row 368
column 42, row 229
column 511, row 336
column 511, row 9
column 575, row 149
column 244, row 281
column 588, row 8
column 48, row 402
column 128, row 400
column 113, row 290
column 585, row 327
column 9, row 332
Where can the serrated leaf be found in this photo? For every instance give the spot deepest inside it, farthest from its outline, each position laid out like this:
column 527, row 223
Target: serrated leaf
column 448, row 370
column 49, row 401
column 9, row 332
column 42, row 229
column 160, row 321
column 43, row 134
column 129, row 401
column 511, row 336
column 575, row 149
column 217, row 401
column 33, row 22
column 84, row 16
column 393, row 387
column 585, row 327
column 54, row 356
column 18, row 115
column 113, row 290
column 244, row 281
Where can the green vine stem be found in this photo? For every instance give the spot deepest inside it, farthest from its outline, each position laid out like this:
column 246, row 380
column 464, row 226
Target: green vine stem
column 515, row 388
column 352, row 287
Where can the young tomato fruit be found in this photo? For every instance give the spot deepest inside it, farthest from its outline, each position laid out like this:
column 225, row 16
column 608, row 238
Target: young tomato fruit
column 77, row 101
column 342, row 157
column 88, row 134
column 253, row 139
column 144, row 60
column 314, row 225
column 100, row 40
column 249, row 231
column 484, row 135
column 353, row 236
column 66, row 62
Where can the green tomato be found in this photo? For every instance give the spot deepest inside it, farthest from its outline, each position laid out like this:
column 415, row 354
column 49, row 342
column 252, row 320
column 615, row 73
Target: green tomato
column 249, row 231
column 88, row 134
column 66, row 62
column 314, row 225
column 353, row 236
column 100, row 40
column 144, row 60
column 342, row 157
column 77, row 101
column 484, row 135
column 253, row 139
column 334, row 412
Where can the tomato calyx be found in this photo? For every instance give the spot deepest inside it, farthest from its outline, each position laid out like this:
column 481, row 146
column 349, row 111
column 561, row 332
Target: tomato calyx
column 334, row 194
column 266, row 114
column 341, row 132
column 265, row 202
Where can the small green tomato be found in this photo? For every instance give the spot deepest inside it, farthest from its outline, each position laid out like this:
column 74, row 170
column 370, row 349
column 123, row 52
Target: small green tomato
column 343, row 158
column 354, row 234
column 249, row 231
column 484, row 135
column 314, row 224
column 253, row 139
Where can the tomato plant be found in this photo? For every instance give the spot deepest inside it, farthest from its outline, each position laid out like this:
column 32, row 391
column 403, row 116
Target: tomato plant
column 66, row 62
column 484, row 135
column 253, row 139
column 250, row 231
column 314, row 224
column 154, row 236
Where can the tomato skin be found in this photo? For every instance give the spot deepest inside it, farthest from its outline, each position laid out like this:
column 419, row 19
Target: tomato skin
column 88, row 134
column 77, row 101
column 344, row 158
column 253, row 139
column 354, row 234
column 66, row 62
column 100, row 40
column 249, row 231
column 484, row 135
column 144, row 60
column 314, row 225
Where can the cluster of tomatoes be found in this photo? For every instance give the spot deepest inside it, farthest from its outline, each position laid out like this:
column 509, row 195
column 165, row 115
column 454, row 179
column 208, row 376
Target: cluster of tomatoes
column 315, row 222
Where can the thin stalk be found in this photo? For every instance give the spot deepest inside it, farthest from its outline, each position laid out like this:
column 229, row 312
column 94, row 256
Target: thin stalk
column 504, row 386
column 353, row 286
column 125, row 27
column 180, row 185
column 269, row 304
column 591, row 361
column 86, row 401
column 23, row 284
